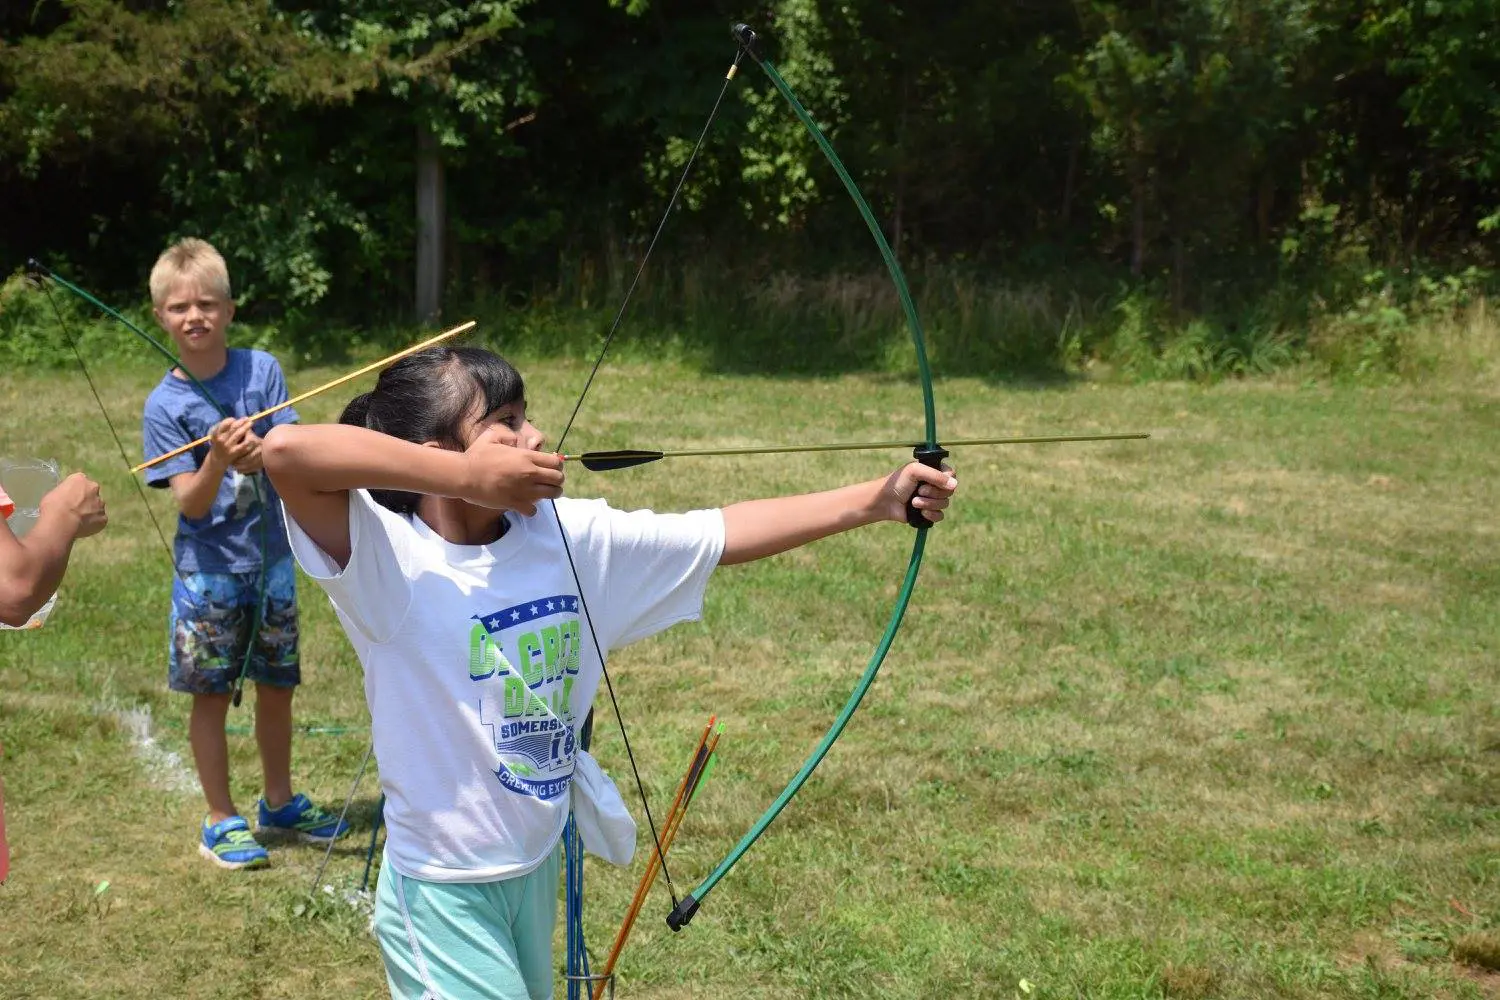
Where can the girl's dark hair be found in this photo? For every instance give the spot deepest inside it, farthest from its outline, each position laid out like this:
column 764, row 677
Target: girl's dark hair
column 428, row 396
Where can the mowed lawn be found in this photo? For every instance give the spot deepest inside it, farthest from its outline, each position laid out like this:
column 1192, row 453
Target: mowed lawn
column 1209, row 715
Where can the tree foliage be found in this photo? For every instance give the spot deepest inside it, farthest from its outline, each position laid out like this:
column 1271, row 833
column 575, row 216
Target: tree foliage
column 1200, row 150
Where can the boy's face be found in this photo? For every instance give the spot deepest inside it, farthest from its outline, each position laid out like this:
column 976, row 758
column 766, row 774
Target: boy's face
column 195, row 316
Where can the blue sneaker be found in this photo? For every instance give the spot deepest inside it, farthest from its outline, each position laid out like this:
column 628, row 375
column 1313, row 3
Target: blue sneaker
column 228, row 844
column 301, row 819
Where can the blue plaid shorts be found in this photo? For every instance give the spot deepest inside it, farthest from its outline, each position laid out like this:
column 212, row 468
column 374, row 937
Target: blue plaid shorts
column 212, row 618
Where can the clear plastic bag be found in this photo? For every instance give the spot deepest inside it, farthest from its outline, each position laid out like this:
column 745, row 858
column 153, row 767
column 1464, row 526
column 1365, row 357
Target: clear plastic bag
column 26, row 481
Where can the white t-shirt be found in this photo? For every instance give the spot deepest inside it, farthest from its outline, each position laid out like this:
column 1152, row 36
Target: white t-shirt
column 479, row 667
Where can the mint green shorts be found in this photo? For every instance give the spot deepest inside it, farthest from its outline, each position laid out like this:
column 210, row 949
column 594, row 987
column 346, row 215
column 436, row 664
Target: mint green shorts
column 463, row 940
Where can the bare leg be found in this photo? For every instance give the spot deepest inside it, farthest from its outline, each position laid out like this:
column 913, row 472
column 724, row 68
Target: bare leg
column 273, row 734
column 211, row 753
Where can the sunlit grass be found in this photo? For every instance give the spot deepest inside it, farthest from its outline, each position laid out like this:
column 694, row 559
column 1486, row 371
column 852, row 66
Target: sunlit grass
column 1212, row 715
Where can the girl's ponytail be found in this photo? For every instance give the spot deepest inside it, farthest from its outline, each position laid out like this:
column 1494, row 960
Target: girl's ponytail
column 356, row 411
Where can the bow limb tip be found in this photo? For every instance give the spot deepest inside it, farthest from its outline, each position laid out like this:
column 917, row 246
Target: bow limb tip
column 748, row 39
column 682, row 913
column 931, row 456
column 35, row 271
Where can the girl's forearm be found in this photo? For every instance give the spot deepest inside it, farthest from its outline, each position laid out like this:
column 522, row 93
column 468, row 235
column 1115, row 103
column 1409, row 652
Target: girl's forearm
column 755, row 529
column 328, row 458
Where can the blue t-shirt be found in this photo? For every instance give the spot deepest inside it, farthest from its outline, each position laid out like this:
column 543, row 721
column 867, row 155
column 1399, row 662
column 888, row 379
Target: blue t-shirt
column 228, row 538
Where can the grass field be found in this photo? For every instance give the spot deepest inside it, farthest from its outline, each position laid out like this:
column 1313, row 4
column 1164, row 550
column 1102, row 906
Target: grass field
column 1211, row 715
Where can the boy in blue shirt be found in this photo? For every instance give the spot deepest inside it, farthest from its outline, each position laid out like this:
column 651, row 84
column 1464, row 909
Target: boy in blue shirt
column 234, row 602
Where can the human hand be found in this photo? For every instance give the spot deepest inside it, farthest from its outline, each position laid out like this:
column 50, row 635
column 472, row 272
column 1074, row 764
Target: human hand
column 227, row 441
column 251, row 460
column 78, row 498
column 925, row 488
column 503, row 473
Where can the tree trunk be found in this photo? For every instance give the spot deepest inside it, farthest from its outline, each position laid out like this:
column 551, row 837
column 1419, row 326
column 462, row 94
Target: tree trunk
column 897, row 222
column 1070, row 186
column 1264, row 196
column 1138, row 226
column 1179, row 275
column 431, row 215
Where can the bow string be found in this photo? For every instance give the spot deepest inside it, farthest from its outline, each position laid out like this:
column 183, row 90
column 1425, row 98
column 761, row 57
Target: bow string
column 609, row 337
column 929, row 452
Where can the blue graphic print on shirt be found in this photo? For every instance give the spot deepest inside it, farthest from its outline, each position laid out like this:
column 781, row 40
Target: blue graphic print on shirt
column 528, row 709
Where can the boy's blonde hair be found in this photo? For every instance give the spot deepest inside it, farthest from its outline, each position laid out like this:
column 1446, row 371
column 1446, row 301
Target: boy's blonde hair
column 189, row 258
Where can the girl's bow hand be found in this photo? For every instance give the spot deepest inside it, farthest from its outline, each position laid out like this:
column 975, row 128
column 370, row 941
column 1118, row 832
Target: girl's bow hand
column 927, row 489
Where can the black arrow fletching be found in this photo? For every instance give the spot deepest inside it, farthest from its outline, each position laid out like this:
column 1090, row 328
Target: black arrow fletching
column 609, row 461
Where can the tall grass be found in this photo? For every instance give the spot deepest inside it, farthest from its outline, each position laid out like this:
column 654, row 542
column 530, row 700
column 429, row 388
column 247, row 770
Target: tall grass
column 757, row 319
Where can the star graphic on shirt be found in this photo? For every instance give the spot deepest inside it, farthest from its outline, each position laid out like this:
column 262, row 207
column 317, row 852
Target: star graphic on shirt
column 534, row 609
column 515, row 616
column 493, row 623
column 572, row 604
column 551, row 605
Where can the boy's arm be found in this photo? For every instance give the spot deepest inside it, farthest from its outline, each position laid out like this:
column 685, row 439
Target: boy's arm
column 194, row 485
column 195, row 491
column 755, row 529
column 314, row 468
column 32, row 567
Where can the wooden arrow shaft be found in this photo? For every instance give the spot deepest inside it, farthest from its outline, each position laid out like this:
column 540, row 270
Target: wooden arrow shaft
column 313, row 392
column 642, row 457
column 873, row 445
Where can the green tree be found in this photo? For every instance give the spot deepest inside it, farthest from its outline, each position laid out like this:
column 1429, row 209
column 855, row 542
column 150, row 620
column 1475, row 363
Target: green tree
column 1191, row 104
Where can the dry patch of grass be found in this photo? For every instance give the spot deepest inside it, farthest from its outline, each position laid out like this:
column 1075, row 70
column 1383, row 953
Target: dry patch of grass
column 1480, row 949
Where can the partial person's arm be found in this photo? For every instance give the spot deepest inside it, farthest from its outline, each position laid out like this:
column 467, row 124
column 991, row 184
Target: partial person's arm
column 32, row 567
column 315, row 466
column 756, row 529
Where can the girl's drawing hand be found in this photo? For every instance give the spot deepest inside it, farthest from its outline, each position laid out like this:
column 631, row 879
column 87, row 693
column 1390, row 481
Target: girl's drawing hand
column 504, row 474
